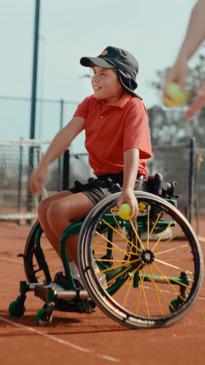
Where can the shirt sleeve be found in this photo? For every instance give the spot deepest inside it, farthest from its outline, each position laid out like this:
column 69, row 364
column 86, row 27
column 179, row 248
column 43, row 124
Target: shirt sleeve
column 82, row 108
column 136, row 129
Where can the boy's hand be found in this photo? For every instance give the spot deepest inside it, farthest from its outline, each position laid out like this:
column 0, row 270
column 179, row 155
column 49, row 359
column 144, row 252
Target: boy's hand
column 37, row 181
column 127, row 196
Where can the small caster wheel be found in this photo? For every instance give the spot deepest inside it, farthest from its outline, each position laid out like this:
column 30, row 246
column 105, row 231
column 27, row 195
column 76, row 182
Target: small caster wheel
column 44, row 315
column 16, row 308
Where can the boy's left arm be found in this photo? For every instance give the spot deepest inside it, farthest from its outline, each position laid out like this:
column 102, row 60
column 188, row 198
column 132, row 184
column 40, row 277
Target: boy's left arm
column 131, row 162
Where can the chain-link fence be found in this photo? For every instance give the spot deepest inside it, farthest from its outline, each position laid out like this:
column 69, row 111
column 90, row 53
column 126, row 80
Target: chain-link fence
column 18, row 158
column 177, row 160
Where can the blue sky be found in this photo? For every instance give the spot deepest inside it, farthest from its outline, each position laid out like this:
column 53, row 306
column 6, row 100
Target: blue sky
column 150, row 29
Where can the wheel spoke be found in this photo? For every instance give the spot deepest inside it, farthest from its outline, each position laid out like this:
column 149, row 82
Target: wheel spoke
column 151, row 264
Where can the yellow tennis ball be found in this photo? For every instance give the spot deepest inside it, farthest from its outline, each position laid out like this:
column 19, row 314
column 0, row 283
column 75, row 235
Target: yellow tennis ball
column 175, row 96
column 125, row 211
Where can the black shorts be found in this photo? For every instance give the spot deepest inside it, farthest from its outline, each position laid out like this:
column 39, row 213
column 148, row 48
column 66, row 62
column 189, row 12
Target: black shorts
column 98, row 188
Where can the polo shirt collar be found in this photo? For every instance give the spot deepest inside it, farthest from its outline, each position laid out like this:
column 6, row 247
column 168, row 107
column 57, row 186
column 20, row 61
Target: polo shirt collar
column 125, row 98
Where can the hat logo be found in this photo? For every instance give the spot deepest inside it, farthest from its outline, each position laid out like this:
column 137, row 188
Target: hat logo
column 104, row 53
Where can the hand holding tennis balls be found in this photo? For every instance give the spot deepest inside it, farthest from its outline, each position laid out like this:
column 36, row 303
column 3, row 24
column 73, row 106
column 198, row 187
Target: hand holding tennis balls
column 174, row 96
column 125, row 211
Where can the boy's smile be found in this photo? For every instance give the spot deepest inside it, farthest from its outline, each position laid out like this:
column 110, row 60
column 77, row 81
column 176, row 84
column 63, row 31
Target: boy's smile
column 105, row 84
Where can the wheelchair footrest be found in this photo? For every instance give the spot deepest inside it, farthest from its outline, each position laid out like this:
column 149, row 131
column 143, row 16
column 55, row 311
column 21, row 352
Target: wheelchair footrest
column 54, row 292
column 58, row 298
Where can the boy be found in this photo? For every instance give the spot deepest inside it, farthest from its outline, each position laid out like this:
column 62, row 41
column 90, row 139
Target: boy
column 117, row 140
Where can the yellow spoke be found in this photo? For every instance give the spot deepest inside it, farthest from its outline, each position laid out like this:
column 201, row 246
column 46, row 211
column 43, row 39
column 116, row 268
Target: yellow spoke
column 116, row 276
column 139, row 295
column 109, row 260
column 170, row 284
column 173, row 266
column 161, row 236
column 114, row 217
column 166, row 279
column 171, row 249
column 129, row 278
column 179, row 259
column 156, row 221
column 171, row 239
column 120, row 234
column 128, row 290
column 162, row 292
column 157, row 290
column 112, row 243
column 118, row 267
column 148, row 220
column 113, row 249
column 138, row 237
column 144, row 294
column 121, row 273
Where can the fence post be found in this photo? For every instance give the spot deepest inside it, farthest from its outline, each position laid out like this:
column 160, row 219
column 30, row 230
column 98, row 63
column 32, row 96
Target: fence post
column 60, row 160
column 191, row 178
column 20, row 170
column 66, row 170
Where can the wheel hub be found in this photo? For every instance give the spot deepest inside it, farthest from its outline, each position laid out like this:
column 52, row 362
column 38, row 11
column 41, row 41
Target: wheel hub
column 147, row 257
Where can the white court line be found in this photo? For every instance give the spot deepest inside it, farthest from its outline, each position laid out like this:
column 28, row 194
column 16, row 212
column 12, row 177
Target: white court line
column 201, row 298
column 202, row 239
column 58, row 340
column 10, row 260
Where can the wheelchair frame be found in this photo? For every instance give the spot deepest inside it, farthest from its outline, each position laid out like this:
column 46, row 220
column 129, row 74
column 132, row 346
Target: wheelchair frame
column 129, row 263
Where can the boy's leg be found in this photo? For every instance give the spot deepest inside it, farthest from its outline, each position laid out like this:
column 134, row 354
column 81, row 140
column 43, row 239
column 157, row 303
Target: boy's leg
column 63, row 212
column 42, row 217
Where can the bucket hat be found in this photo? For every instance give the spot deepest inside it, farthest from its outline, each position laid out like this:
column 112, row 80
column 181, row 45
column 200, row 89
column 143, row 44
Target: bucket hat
column 126, row 65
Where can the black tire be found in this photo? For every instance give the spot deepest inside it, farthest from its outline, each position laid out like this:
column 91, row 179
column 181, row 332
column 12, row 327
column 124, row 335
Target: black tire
column 40, row 260
column 136, row 278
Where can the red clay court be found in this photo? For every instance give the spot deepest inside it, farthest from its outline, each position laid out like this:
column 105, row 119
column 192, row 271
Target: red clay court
column 79, row 338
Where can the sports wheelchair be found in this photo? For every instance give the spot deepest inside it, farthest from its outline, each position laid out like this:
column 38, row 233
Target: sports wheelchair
column 144, row 272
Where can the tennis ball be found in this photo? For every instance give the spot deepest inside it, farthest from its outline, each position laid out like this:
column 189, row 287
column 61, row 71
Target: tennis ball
column 175, row 96
column 125, row 212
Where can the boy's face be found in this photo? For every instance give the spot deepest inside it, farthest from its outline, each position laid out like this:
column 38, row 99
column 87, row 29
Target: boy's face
column 105, row 84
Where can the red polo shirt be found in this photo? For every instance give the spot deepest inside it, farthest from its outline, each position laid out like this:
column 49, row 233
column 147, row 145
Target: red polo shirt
column 112, row 129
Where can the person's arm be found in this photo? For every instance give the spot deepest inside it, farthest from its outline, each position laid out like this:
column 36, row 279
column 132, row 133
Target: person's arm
column 194, row 36
column 195, row 33
column 59, row 144
column 131, row 163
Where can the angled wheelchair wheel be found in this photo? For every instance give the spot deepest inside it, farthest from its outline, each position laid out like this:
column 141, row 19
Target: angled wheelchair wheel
column 141, row 273
column 40, row 260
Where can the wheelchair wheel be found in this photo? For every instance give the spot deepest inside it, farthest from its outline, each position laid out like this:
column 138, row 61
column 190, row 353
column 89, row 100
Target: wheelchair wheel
column 40, row 260
column 141, row 273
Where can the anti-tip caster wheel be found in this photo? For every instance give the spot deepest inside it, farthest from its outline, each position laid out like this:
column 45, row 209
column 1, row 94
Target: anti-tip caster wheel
column 16, row 308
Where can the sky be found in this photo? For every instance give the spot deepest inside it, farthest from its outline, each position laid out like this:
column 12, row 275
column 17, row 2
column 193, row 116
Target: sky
column 152, row 30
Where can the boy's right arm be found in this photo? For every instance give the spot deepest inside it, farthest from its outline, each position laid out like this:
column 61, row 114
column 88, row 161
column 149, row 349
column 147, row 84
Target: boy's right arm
column 59, row 144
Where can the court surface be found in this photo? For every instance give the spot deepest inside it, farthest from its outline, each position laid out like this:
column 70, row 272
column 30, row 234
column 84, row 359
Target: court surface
column 74, row 338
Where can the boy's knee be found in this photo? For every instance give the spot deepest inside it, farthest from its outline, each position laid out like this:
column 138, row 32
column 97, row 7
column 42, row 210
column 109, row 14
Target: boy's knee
column 57, row 219
column 43, row 208
column 55, row 213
